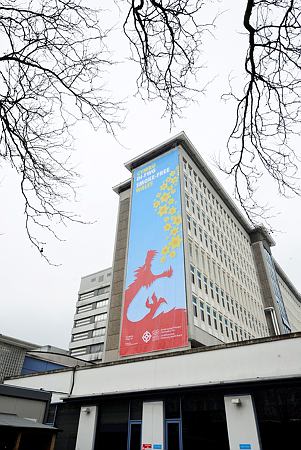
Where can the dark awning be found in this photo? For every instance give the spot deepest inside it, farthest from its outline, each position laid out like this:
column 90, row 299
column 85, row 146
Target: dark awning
column 12, row 420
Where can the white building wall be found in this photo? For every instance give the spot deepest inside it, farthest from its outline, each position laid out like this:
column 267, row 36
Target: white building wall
column 223, row 287
column 241, row 423
column 90, row 320
column 252, row 361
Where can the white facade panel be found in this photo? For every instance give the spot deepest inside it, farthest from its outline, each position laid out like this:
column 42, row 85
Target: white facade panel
column 252, row 362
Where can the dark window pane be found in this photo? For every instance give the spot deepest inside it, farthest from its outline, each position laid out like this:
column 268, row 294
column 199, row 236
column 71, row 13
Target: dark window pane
column 172, row 408
column 204, row 422
column 135, row 438
column 279, row 417
column 112, row 430
column 136, row 410
column 173, row 436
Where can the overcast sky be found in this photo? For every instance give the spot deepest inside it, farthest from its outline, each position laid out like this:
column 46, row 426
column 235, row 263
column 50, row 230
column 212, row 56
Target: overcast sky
column 38, row 300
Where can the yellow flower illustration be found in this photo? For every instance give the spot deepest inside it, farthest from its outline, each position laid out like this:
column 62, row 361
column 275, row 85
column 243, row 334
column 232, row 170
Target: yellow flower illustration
column 171, row 201
column 165, row 250
column 172, row 173
column 167, row 227
column 176, row 220
column 156, row 204
column 168, row 179
column 174, row 231
column 175, row 242
column 166, row 219
column 172, row 254
column 163, row 210
column 158, row 195
column 174, row 180
column 163, row 186
column 163, row 259
column 169, row 187
column 172, row 210
column 172, row 191
column 165, row 197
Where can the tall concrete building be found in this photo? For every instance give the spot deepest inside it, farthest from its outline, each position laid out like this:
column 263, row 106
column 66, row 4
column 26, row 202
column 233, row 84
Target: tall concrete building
column 189, row 272
column 90, row 319
column 234, row 288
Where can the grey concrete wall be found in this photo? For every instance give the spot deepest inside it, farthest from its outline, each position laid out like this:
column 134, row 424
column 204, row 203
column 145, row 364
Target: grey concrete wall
column 23, row 407
column 265, row 285
column 115, row 307
column 241, row 423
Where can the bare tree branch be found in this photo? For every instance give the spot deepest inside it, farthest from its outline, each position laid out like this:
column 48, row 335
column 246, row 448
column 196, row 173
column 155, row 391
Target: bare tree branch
column 268, row 115
column 52, row 63
column 166, row 41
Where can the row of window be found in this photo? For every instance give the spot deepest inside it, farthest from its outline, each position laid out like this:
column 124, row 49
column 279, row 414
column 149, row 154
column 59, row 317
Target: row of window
column 216, row 251
column 95, row 348
column 94, row 293
column 195, row 186
column 243, row 292
column 101, row 278
column 224, row 299
column 90, row 306
column 89, row 334
column 209, row 225
column 92, row 319
column 218, row 322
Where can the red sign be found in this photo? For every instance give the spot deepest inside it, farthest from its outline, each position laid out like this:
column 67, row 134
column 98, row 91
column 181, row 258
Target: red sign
column 146, row 445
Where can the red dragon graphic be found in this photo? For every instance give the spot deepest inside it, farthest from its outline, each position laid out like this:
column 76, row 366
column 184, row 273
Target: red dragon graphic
column 131, row 341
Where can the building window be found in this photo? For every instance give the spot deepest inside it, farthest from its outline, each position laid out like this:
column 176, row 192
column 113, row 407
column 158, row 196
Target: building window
column 80, row 336
column 221, row 323
column 202, row 309
column 187, row 200
column 223, row 298
column 211, row 289
column 194, row 304
column 226, row 327
column 189, row 223
column 195, row 228
column 102, row 290
column 82, row 322
column 86, row 295
column 185, row 182
column 85, row 308
column 102, row 303
column 208, row 315
column 79, row 351
column 214, row 318
column 192, row 274
column 192, row 207
column 217, row 293
column 206, row 284
column 100, row 317
column 99, row 332
column 199, row 279
column 200, row 234
column 96, row 348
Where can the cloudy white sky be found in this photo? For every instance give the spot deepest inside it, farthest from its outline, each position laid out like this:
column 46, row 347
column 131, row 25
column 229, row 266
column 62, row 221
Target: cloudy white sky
column 38, row 300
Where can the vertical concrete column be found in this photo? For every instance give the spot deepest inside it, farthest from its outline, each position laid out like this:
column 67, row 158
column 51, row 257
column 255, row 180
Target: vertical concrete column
column 241, row 423
column 119, row 263
column 86, row 428
column 152, row 425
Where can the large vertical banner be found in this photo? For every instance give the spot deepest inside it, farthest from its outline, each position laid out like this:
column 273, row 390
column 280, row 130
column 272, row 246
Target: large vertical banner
column 154, row 311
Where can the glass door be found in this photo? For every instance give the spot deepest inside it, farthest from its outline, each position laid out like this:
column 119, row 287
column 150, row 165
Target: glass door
column 173, row 434
column 134, row 437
